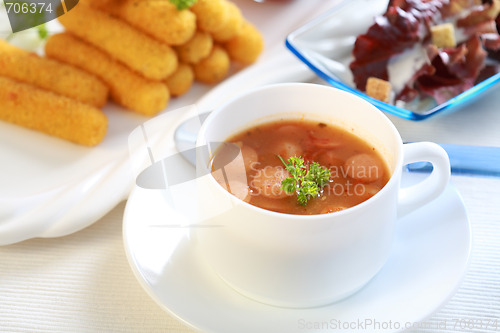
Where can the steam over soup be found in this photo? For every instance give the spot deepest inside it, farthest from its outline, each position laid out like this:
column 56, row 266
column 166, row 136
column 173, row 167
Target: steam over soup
column 299, row 167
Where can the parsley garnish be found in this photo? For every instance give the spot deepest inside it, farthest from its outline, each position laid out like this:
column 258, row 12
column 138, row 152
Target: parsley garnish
column 183, row 4
column 306, row 183
column 43, row 33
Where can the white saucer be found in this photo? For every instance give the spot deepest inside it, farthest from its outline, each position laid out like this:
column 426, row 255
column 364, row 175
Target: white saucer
column 429, row 258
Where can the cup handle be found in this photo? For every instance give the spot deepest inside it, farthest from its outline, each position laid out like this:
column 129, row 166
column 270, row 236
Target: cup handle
column 412, row 197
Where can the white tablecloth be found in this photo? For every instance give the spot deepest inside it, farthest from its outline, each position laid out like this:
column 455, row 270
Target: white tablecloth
column 83, row 282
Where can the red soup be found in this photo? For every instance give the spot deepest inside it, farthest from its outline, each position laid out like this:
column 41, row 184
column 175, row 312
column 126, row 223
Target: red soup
column 300, row 167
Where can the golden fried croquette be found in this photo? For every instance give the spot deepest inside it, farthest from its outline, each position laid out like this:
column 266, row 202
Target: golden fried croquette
column 246, row 46
column 127, row 88
column 211, row 15
column 27, row 67
column 196, row 48
column 214, row 68
column 152, row 59
column 159, row 19
column 181, row 81
column 232, row 26
column 50, row 113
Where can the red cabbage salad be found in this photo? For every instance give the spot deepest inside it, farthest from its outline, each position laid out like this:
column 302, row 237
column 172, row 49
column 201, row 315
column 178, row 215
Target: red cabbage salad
column 429, row 70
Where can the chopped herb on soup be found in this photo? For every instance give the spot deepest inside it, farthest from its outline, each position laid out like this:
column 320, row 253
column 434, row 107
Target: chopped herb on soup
column 300, row 167
column 305, row 182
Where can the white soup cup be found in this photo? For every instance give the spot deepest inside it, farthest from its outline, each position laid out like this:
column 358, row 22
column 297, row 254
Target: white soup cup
column 305, row 261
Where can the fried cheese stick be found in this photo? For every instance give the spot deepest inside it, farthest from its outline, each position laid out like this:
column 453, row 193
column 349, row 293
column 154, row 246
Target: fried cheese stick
column 56, row 115
column 211, row 15
column 181, row 81
column 27, row 67
column 232, row 26
column 196, row 49
column 153, row 59
column 213, row 68
column 159, row 19
column 247, row 45
column 127, row 88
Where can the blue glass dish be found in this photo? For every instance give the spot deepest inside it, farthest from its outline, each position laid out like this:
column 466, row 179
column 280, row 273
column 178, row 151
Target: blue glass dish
column 325, row 45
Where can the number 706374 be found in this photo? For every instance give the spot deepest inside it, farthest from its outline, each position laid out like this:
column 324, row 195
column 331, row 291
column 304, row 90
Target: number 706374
column 28, row 8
